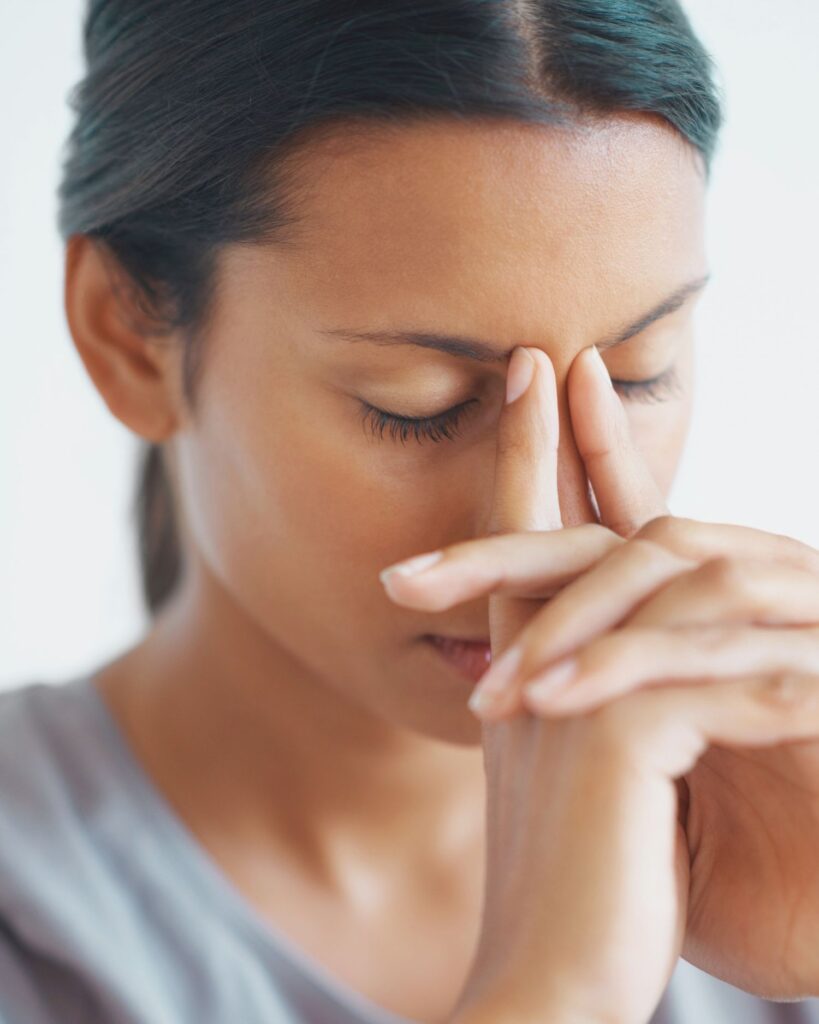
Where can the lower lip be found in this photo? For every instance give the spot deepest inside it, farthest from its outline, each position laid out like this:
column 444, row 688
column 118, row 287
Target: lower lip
column 470, row 659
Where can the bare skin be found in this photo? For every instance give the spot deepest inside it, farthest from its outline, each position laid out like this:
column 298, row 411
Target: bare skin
column 348, row 792
column 695, row 643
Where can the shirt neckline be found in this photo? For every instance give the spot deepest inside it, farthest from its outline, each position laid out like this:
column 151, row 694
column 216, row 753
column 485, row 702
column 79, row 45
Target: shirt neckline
column 210, row 878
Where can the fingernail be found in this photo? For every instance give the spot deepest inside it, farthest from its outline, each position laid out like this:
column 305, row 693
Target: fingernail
column 553, row 681
column 496, row 680
column 519, row 375
column 600, row 367
column 412, row 566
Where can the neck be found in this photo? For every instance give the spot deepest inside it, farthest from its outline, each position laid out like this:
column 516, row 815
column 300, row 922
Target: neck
column 254, row 749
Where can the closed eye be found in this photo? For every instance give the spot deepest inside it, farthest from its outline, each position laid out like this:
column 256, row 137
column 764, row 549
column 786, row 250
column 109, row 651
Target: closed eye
column 444, row 425
column 661, row 388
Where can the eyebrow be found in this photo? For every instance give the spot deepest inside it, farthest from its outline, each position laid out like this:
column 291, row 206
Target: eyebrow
column 472, row 348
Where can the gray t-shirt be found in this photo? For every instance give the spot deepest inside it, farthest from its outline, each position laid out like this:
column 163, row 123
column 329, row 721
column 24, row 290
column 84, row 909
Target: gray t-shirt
column 112, row 912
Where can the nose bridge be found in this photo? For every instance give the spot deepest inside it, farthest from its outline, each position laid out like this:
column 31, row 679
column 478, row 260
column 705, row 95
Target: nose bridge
column 576, row 501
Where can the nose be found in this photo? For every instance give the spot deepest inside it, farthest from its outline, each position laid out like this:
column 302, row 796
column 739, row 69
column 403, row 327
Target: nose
column 577, row 504
column 575, row 495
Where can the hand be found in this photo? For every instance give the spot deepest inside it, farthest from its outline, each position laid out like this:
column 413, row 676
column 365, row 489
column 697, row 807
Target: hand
column 587, row 868
column 682, row 601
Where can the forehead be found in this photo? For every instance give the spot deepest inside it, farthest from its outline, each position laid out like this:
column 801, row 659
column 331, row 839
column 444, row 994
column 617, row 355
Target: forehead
column 493, row 216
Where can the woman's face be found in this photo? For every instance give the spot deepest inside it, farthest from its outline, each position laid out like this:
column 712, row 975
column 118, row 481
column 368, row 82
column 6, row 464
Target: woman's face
column 509, row 234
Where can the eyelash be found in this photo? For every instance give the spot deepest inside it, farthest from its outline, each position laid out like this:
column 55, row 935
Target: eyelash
column 659, row 389
column 444, row 426
column 432, row 428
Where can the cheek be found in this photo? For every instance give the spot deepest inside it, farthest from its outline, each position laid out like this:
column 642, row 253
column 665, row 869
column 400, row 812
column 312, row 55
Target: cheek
column 661, row 439
column 660, row 433
column 382, row 502
column 296, row 526
column 297, row 509
column 660, row 429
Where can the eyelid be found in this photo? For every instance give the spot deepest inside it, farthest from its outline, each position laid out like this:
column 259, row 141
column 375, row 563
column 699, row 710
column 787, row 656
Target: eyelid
column 667, row 376
column 655, row 389
column 444, row 425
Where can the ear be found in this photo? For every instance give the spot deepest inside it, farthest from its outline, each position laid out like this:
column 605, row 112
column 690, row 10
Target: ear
column 136, row 372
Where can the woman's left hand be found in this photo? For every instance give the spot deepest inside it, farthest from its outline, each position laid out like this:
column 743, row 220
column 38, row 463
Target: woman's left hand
column 686, row 601
column 750, row 814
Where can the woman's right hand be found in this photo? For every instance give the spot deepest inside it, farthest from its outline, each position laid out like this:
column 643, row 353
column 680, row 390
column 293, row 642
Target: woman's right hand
column 587, row 866
column 587, row 874
column 586, row 883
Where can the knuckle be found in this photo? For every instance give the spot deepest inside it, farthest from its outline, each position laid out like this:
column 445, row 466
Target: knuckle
column 646, row 553
column 734, row 577
column 598, row 657
column 783, row 691
column 597, row 531
column 602, row 452
column 718, row 640
column 626, row 528
column 666, row 530
column 649, row 550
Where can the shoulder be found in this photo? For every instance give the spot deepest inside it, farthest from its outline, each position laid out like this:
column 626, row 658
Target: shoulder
column 53, row 790
column 24, row 749
column 44, row 735
column 44, row 740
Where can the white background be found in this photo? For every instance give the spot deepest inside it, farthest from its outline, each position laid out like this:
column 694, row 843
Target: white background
column 69, row 595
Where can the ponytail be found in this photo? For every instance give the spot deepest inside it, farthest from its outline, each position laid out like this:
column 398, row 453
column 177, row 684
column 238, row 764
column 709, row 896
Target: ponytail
column 160, row 554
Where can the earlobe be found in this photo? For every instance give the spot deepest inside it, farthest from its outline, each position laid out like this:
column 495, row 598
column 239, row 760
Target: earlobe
column 132, row 369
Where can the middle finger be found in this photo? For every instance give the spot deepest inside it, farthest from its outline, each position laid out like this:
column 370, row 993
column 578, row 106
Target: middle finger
column 595, row 602
column 635, row 658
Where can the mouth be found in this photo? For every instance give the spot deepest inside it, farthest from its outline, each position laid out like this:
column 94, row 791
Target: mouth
column 471, row 658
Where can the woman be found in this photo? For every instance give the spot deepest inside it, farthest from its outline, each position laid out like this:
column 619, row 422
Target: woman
column 303, row 241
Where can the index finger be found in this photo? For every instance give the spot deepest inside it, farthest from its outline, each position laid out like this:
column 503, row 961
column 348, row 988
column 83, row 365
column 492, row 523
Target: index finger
column 525, row 495
column 627, row 494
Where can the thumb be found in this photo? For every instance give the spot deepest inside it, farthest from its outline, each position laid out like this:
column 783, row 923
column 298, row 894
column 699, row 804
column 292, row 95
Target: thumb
column 525, row 495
